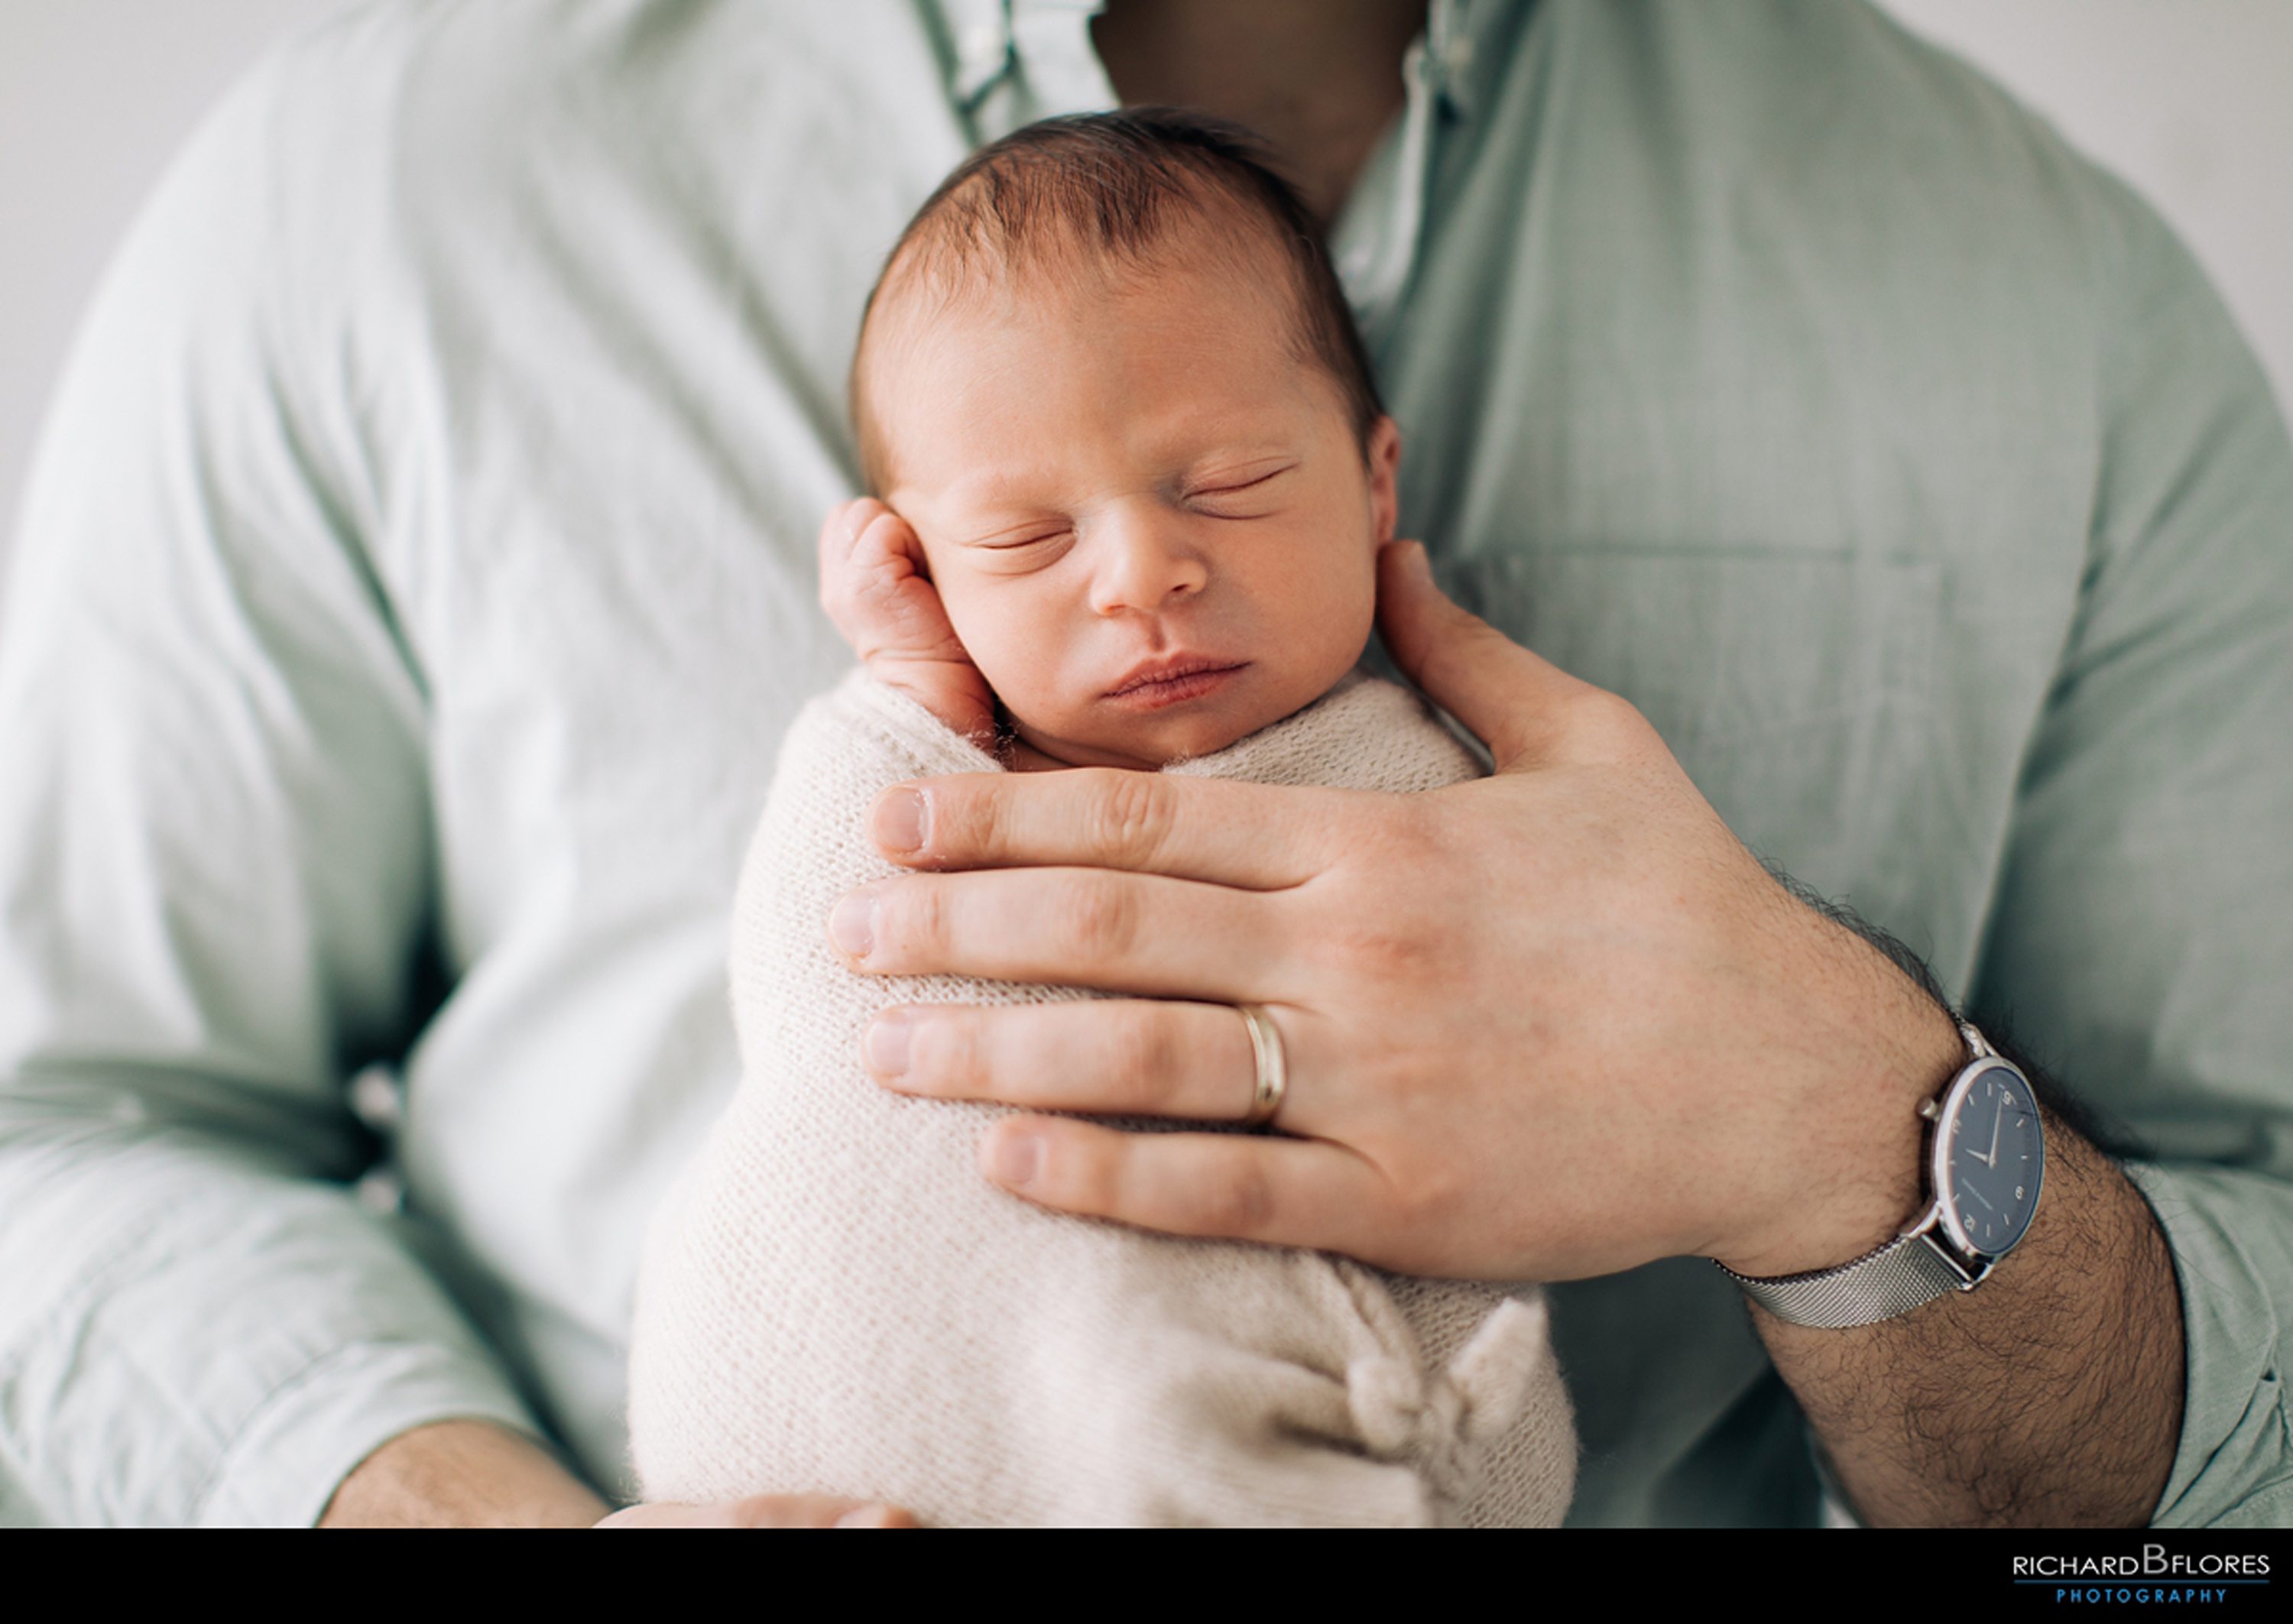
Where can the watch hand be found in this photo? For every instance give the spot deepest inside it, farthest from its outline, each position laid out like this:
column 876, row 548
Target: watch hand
column 1992, row 1160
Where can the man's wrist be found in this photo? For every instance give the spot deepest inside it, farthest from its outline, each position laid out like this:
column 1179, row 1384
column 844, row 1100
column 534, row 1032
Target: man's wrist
column 1842, row 1206
column 462, row 1473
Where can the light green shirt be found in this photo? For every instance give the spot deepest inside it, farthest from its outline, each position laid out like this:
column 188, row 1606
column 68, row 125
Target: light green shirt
column 417, row 579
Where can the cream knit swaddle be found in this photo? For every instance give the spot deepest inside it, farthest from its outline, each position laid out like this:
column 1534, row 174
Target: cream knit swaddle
column 834, row 1300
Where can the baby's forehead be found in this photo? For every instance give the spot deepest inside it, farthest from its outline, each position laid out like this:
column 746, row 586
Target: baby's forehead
column 1034, row 315
column 1066, row 274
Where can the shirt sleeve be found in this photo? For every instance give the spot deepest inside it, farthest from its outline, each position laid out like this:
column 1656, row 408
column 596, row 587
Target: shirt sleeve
column 215, row 883
column 2140, row 943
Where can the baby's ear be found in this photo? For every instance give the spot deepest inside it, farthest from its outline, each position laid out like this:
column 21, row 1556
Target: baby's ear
column 1384, row 455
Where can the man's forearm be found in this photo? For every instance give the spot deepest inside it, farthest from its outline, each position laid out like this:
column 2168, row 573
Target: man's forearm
column 462, row 1474
column 2052, row 1395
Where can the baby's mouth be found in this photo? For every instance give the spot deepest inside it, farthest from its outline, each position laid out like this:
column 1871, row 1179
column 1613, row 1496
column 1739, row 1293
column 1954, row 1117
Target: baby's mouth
column 1170, row 675
column 1173, row 682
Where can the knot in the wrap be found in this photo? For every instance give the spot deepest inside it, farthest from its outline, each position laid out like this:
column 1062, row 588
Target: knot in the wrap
column 1440, row 1421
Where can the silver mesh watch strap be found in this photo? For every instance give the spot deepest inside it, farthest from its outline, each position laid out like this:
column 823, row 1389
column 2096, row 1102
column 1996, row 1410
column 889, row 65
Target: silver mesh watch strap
column 1906, row 1272
column 1911, row 1269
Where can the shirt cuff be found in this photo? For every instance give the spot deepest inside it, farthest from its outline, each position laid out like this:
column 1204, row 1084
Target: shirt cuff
column 1832, row 1508
column 294, row 1452
column 2234, row 1465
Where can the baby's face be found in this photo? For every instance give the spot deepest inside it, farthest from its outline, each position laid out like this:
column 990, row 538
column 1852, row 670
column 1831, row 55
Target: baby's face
column 1121, row 478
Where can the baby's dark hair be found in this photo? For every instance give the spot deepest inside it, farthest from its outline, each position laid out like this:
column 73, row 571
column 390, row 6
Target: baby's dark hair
column 1090, row 188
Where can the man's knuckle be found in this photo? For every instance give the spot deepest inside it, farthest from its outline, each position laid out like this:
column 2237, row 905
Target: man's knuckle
column 1142, row 1061
column 950, row 1054
column 1100, row 919
column 1609, row 717
column 1131, row 816
column 1239, row 1200
column 920, row 917
column 1078, row 1178
column 1383, row 947
column 967, row 820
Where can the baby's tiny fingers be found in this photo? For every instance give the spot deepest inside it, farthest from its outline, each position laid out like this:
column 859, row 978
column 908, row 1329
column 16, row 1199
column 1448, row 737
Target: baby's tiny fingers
column 834, row 551
column 883, row 547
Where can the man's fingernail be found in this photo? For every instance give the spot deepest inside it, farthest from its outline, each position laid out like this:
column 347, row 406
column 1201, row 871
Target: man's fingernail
column 900, row 821
column 887, row 1044
column 853, row 926
column 1416, row 562
column 1015, row 1158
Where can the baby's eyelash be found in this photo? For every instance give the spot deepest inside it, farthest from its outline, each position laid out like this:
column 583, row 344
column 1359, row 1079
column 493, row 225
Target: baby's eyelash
column 1228, row 490
column 1029, row 541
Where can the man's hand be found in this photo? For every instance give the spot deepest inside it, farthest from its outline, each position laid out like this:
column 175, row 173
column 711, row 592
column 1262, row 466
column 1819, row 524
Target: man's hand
column 1551, row 1023
column 875, row 586
column 765, row 1511
column 476, row 1474
column 1555, row 1022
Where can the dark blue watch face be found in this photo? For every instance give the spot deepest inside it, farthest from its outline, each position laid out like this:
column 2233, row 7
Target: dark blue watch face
column 1989, row 1158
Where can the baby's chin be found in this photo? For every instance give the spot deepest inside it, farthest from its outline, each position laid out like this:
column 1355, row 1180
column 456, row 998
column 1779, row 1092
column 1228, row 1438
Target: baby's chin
column 1150, row 729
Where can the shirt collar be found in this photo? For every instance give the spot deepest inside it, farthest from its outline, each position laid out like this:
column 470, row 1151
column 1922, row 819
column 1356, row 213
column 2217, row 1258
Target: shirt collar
column 993, row 39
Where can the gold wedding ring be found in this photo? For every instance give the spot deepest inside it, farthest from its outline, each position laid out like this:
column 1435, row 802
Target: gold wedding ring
column 1273, row 1065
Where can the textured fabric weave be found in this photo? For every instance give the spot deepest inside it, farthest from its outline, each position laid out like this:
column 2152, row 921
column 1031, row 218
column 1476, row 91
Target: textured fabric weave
column 835, row 1300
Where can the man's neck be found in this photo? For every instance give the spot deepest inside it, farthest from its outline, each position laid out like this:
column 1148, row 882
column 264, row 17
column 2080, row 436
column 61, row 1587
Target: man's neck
column 1318, row 78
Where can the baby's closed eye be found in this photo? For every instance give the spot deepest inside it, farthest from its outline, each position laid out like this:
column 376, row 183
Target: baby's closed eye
column 1248, row 495
column 1021, row 551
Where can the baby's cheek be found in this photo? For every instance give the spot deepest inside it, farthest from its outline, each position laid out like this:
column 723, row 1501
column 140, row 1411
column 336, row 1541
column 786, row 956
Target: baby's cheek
column 1015, row 647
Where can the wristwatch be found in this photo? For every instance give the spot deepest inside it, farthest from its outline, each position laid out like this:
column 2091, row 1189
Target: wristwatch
column 1985, row 1159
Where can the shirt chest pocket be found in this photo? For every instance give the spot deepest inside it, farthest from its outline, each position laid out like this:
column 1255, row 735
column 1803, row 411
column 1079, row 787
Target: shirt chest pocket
column 1795, row 688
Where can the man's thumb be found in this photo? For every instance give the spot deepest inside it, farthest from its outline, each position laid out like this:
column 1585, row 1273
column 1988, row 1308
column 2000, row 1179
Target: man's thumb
column 1504, row 693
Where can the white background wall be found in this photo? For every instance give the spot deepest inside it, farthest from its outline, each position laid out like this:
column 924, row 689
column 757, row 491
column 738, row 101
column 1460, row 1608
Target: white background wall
column 95, row 96
column 2190, row 99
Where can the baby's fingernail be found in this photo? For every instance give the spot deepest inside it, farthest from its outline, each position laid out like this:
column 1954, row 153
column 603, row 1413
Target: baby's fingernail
column 853, row 926
column 887, row 1044
column 900, row 821
column 866, row 1516
column 1015, row 1158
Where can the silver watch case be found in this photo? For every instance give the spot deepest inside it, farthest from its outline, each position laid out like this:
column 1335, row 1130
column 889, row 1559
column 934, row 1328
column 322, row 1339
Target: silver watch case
column 1939, row 1223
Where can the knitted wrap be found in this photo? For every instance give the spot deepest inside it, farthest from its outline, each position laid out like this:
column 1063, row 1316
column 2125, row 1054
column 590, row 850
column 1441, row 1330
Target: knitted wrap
column 833, row 1299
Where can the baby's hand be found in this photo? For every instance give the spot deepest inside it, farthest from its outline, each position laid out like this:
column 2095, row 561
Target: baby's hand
column 873, row 587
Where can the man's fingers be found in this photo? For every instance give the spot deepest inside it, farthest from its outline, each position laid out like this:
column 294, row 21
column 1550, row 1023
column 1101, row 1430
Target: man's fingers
column 765, row 1511
column 1220, row 831
column 1238, row 1186
column 1136, row 1057
column 1514, row 701
column 1087, row 928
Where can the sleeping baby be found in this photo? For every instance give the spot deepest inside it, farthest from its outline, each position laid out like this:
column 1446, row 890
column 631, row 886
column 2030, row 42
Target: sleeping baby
column 1130, row 479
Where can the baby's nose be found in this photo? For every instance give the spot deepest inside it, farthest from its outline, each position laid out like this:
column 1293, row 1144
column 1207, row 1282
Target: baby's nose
column 1144, row 560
